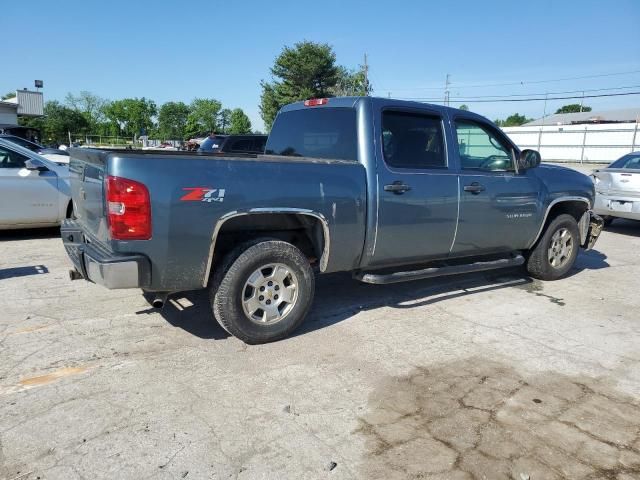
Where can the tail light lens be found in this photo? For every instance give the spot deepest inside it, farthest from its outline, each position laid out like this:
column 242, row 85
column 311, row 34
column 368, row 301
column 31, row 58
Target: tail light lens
column 128, row 209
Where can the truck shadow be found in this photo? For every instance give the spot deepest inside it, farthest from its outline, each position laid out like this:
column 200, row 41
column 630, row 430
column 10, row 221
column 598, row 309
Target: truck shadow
column 22, row 271
column 29, row 234
column 338, row 296
column 622, row 226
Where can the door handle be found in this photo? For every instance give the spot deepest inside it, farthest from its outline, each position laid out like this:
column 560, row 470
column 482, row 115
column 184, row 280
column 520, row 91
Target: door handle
column 474, row 188
column 397, row 187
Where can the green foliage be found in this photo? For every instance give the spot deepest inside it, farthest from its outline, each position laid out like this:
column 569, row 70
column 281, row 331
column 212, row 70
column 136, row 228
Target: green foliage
column 307, row 70
column 352, row 83
column 464, row 107
column 57, row 123
column 8, row 95
column 172, row 120
column 203, row 117
column 240, row 123
column 131, row 115
column 573, row 108
column 224, row 120
column 514, row 120
column 91, row 107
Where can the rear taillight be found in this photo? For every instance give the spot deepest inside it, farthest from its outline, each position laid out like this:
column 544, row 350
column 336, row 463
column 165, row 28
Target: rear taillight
column 313, row 102
column 128, row 209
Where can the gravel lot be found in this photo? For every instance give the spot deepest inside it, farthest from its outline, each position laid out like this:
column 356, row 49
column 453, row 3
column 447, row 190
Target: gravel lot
column 485, row 376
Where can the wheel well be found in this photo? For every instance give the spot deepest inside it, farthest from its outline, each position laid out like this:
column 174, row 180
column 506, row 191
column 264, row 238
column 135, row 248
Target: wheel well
column 575, row 208
column 304, row 231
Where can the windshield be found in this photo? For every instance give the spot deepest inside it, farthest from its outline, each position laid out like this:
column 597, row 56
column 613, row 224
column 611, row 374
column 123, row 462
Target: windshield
column 628, row 161
column 34, row 147
column 212, row 144
column 318, row 133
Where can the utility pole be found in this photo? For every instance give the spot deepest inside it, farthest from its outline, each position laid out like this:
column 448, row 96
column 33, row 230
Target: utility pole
column 366, row 76
column 581, row 102
column 446, row 90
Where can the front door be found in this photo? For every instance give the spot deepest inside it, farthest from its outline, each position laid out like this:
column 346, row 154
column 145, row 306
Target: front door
column 417, row 189
column 26, row 196
column 498, row 206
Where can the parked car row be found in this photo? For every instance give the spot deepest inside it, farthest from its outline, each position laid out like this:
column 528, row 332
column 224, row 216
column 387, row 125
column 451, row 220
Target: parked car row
column 34, row 191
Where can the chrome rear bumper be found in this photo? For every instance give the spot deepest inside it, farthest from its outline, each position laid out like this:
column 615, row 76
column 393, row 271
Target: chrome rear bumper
column 97, row 264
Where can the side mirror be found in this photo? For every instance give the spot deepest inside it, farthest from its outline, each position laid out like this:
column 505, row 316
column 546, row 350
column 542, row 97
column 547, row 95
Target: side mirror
column 528, row 159
column 36, row 165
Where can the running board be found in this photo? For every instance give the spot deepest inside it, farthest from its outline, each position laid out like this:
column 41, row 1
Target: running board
column 396, row 277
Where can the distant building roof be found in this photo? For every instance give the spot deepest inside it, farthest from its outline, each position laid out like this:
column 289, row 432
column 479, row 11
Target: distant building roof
column 605, row 116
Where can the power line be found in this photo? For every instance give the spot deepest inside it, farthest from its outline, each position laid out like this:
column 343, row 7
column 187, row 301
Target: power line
column 460, row 100
column 532, row 82
column 479, row 97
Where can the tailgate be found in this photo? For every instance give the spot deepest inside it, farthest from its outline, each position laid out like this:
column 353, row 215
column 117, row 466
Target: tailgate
column 87, row 173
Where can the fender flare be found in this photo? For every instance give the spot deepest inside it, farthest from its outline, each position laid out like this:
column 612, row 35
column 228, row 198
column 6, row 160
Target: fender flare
column 550, row 206
column 324, row 259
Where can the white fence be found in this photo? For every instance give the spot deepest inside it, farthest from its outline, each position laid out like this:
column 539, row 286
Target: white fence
column 601, row 143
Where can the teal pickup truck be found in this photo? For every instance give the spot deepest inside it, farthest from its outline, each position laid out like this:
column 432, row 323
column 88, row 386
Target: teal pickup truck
column 388, row 190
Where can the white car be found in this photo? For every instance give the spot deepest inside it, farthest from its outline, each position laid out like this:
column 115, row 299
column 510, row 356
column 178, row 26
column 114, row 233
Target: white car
column 618, row 189
column 57, row 155
column 34, row 191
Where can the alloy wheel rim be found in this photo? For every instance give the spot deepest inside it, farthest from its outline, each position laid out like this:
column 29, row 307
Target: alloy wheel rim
column 560, row 248
column 269, row 294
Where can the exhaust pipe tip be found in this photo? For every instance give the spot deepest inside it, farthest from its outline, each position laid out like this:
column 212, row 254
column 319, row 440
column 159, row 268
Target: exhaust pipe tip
column 75, row 275
column 158, row 302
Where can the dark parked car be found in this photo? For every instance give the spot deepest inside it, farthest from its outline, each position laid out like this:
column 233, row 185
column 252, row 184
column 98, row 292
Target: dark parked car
column 386, row 189
column 234, row 143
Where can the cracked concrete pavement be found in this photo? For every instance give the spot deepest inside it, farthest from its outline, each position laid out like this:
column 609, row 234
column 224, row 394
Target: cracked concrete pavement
column 484, row 376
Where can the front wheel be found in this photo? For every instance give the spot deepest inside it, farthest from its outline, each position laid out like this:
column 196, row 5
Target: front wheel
column 263, row 291
column 556, row 251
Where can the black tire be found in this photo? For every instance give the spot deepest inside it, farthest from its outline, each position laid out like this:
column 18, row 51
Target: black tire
column 608, row 220
column 228, row 290
column 539, row 265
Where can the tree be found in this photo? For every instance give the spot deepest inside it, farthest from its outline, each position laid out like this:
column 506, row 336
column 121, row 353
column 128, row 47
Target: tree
column 8, row 96
column 307, row 70
column 132, row 116
column 91, row 106
column 573, row 108
column 514, row 120
column 203, row 117
column 463, row 107
column 224, row 119
column 57, row 123
column 172, row 120
column 239, row 122
column 352, row 83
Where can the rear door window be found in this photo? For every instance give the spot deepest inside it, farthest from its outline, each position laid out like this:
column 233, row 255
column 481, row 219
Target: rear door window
column 413, row 141
column 318, row 133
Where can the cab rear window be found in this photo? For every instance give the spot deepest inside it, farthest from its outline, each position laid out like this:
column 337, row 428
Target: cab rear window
column 315, row 132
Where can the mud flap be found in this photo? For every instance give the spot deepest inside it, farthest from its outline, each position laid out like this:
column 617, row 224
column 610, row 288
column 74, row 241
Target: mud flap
column 596, row 223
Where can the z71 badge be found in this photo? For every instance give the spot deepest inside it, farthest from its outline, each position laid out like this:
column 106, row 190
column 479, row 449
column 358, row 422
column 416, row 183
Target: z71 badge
column 203, row 194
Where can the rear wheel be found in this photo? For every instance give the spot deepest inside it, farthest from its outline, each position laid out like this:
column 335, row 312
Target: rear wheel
column 556, row 251
column 263, row 291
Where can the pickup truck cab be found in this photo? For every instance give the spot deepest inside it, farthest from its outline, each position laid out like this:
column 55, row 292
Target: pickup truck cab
column 388, row 190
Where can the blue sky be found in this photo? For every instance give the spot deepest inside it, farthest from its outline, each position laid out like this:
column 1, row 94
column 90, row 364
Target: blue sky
column 167, row 50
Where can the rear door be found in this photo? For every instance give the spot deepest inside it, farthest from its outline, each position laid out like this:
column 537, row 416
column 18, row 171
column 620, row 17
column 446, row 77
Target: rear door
column 417, row 188
column 27, row 197
column 498, row 206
